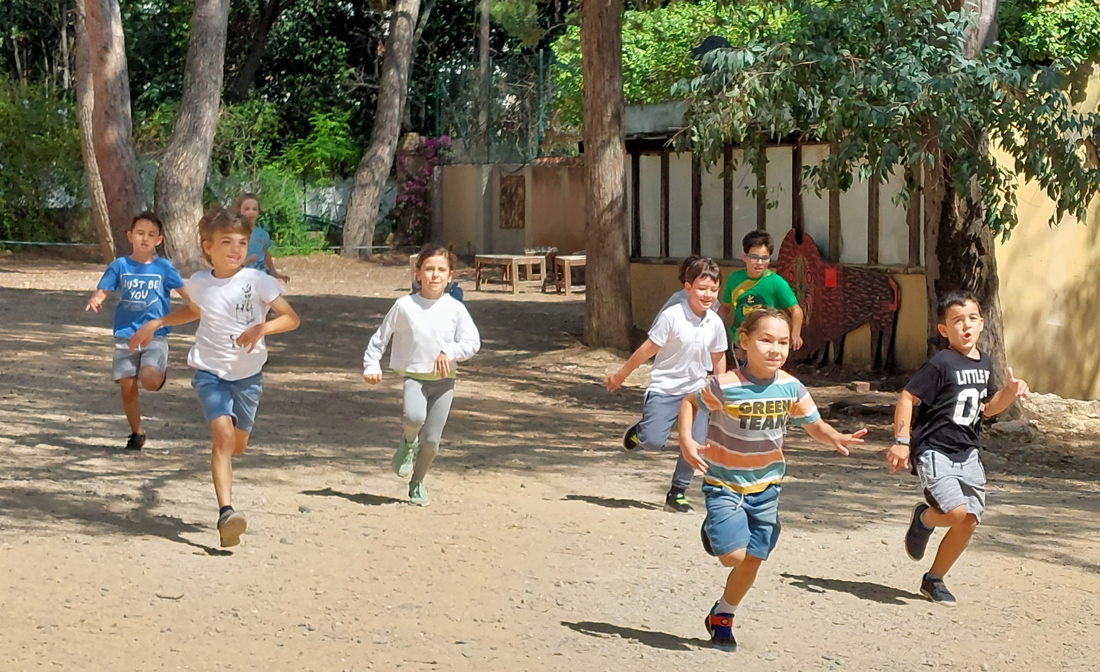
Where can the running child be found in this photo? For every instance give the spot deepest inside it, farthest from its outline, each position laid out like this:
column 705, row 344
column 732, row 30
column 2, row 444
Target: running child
column 431, row 331
column 757, row 286
column 743, row 458
column 687, row 340
column 146, row 282
column 247, row 208
column 952, row 392
column 231, row 304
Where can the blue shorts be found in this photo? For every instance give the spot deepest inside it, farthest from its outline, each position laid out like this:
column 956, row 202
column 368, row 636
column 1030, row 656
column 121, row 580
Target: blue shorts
column 737, row 521
column 238, row 399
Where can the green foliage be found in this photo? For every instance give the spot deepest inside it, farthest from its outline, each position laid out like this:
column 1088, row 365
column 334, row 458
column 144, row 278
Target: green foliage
column 40, row 166
column 1044, row 31
column 878, row 78
column 520, row 18
column 657, row 48
column 327, row 151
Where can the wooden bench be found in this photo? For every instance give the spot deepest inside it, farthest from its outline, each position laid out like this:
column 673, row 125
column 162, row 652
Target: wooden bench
column 563, row 270
column 510, row 265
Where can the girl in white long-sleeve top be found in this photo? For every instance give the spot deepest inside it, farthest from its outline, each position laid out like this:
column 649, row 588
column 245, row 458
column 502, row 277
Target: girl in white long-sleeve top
column 431, row 333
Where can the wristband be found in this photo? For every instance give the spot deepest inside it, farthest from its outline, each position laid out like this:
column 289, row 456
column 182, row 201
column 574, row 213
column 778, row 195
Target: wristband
column 901, row 440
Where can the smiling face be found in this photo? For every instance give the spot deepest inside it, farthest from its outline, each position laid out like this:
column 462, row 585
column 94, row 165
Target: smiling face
column 767, row 346
column 434, row 274
column 249, row 210
column 226, row 250
column 756, row 261
column 701, row 294
column 144, row 236
column 962, row 325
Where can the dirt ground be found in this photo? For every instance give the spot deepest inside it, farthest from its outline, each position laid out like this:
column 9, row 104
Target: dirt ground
column 545, row 548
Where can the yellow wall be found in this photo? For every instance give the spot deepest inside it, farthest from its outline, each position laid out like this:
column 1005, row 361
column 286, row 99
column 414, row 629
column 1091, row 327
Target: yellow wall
column 651, row 285
column 1050, row 287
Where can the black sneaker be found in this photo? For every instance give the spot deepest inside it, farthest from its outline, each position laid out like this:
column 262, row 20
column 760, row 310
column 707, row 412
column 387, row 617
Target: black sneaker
column 677, row 502
column 917, row 536
column 135, row 442
column 231, row 525
column 706, row 540
column 630, row 437
column 935, row 590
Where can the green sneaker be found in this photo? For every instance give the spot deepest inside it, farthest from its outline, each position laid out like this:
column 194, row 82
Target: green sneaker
column 418, row 494
column 405, row 457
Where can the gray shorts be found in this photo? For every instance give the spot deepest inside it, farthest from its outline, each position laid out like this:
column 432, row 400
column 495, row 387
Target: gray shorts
column 128, row 364
column 949, row 484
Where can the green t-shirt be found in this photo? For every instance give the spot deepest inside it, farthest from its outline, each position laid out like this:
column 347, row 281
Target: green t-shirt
column 746, row 295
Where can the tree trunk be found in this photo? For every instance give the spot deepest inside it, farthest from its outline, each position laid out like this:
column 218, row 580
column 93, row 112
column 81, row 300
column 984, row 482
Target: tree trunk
column 607, row 318
column 245, row 77
column 373, row 170
column 483, row 79
column 85, row 104
column 111, row 123
column 183, row 169
column 960, row 251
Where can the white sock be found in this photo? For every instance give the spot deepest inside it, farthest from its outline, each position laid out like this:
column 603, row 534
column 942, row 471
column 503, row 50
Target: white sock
column 725, row 607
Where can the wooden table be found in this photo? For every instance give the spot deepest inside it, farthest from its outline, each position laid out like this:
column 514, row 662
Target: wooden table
column 510, row 264
column 566, row 263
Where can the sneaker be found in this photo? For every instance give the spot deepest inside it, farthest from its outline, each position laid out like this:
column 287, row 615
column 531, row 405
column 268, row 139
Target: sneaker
column 720, row 627
column 231, row 525
column 706, row 540
column 135, row 442
column 917, row 536
column 677, row 502
column 935, row 590
column 630, row 437
column 418, row 494
column 405, row 457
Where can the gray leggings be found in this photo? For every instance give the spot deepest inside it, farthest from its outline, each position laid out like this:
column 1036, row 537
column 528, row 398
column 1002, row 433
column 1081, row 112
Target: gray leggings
column 427, row 404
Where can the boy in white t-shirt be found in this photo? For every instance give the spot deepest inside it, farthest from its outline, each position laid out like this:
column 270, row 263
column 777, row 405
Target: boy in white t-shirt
column 231, row 304
column 688, row 340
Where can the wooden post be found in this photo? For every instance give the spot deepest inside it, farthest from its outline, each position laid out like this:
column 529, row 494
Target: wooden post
column 798, row 215
column 727, row 204
column 696, row 205
column 913, row 216
column 762, row 196
column 664, row 203
column 874, row 219
column 636, row 205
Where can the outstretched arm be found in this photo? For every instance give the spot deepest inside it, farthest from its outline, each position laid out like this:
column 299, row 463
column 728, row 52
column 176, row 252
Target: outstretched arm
column 269, row 264
column 823, row 432
column 691, row 450
column 372, row 356
column 141, row 337
column 1012, row 390
column 96, row 300
column 642, row 354
column 898, row 455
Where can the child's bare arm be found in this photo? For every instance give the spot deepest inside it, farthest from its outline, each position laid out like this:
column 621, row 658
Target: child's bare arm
column 718, row 362
column 141, row 337
column 643, row 353
column 96, row 301
column 183, row 294
column 1013, row 389
column 688, row 447
column 823, row 432
column 269, row 263
column 898, row 455
column 285, row 320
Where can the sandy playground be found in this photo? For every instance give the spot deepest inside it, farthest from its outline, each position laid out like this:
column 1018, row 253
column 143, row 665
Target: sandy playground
column 545, row 548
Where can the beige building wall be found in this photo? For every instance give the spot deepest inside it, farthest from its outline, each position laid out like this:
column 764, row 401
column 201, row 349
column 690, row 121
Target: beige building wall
column 1050, row 293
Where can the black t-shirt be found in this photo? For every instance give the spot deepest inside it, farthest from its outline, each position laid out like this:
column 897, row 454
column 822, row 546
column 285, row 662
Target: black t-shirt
column 952, row 389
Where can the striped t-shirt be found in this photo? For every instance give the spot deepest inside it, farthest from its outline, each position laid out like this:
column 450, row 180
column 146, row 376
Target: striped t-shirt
column 748, row 419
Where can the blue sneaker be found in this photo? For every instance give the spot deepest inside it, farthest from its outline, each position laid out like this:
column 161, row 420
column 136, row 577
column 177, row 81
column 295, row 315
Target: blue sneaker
column 720, row 627
column 405, row 457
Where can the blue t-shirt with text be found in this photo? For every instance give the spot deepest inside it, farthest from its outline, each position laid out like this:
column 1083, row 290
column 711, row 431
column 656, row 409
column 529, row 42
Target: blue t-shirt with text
column 145, row 292
column 258, row 245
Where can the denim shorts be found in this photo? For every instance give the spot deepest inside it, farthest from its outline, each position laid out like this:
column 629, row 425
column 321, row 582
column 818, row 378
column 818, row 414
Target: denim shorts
column 238, row 399
column 736, row 521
